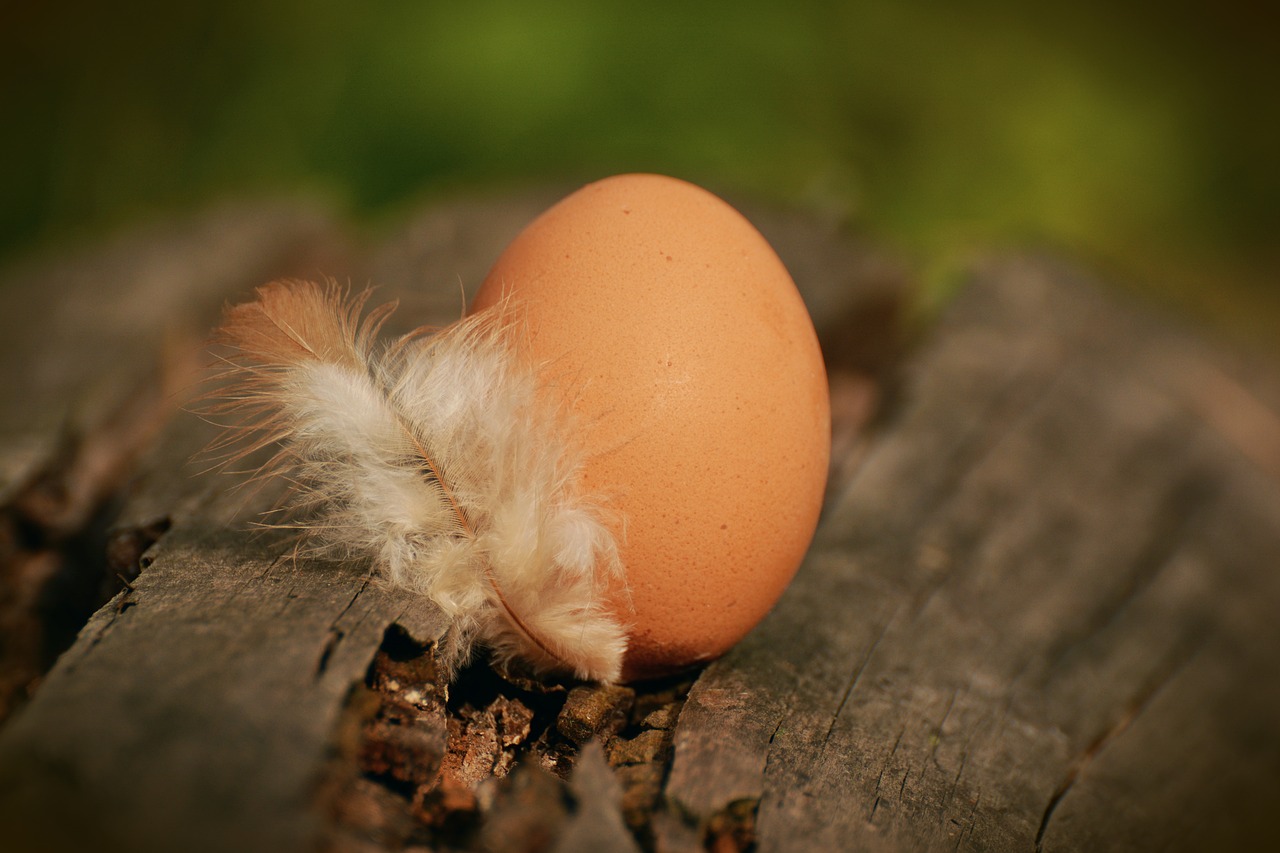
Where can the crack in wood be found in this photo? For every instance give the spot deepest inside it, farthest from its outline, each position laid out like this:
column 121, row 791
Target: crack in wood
column 964, row 751
column 884, row 767
column 773, row 734
column 854, row 678
column 336, row 637
column 935, row 738
column 336, row 634
column 955, row 782
column 254, row 579
column 1110, row 734
column 123, row 603
column 969, row 822
column 364, row 585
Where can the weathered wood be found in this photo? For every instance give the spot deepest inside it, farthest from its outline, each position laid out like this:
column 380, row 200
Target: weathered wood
column 1037, row 614
column 97, row 349
column 80, row 334
column 1040, row 616
column 199, row 705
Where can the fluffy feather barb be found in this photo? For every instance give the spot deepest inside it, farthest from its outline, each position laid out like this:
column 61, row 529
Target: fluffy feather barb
column 435, row 457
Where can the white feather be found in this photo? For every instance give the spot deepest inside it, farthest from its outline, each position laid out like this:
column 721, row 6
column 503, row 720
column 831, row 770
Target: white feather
column 437, row 458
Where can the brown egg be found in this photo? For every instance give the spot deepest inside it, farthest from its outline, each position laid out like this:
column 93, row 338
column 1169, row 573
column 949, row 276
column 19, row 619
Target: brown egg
column 693, row 369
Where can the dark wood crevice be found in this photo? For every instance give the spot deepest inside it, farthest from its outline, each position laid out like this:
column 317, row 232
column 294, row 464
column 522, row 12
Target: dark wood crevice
column 447, row 758
column 65, row 558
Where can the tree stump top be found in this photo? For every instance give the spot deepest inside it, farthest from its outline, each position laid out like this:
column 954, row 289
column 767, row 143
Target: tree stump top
column 1038, row 612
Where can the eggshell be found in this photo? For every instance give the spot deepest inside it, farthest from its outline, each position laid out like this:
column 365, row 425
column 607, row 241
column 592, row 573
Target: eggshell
column 691, row 364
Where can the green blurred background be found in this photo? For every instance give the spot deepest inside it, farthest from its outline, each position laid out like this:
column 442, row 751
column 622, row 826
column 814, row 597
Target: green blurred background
column 1143, row 137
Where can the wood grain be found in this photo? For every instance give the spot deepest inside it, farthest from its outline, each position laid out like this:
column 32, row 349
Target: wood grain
column 1038, row 617
column 1038, row 613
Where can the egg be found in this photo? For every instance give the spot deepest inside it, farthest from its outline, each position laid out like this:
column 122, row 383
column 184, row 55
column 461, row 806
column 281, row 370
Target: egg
column 681, row 345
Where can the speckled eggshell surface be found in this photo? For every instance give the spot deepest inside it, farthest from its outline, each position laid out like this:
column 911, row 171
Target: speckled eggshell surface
column 694, row 374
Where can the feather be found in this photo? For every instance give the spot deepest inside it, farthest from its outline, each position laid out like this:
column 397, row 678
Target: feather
column 435, row 457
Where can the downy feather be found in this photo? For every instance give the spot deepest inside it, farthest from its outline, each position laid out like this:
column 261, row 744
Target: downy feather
column 436, row 457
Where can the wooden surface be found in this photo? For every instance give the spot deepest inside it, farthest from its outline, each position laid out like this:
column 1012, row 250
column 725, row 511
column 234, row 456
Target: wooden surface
column 1039, row 612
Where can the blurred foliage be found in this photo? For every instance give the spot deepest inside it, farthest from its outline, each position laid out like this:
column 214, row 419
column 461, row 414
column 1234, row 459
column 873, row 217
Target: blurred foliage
column 1143, row 135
